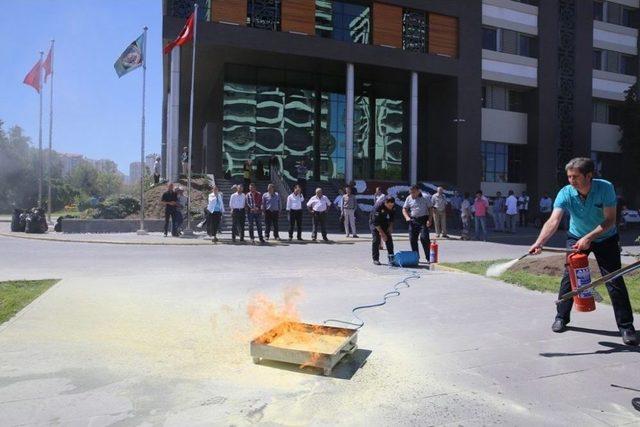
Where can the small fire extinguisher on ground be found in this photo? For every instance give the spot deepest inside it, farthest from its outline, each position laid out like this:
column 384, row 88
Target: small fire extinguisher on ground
column 580, row 275
column 433, row 252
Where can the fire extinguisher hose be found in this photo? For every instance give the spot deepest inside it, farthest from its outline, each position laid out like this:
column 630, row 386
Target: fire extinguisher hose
column 604, row 279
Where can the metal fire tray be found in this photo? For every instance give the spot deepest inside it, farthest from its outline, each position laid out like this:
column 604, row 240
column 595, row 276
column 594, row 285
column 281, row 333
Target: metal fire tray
column 322, row 347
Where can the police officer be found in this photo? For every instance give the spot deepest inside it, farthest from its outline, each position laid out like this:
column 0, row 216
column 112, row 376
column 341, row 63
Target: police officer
column 416, row 212
column 591, row 204
column 381, row 224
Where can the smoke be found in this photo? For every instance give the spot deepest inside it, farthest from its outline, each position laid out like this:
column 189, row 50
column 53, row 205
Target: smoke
column 497, row 270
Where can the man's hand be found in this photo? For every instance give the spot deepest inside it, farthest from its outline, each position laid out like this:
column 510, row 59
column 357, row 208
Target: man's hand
column 582, row 245
column 428, row 223
column 535, row 249
column 383, row 236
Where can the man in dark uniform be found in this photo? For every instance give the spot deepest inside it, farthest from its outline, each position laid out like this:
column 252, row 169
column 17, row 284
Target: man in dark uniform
column 381, row 224
column 170, row 202
column 592, row 228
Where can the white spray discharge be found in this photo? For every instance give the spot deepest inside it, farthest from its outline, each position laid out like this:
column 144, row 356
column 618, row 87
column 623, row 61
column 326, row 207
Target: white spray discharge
column 497, row 270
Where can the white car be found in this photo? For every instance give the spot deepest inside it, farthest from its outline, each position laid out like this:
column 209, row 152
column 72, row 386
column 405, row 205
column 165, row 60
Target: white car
column 630, row 216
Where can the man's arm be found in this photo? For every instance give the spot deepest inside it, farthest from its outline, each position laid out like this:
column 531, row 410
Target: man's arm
column 548, row 229
column 609, row 221
column 405, row 213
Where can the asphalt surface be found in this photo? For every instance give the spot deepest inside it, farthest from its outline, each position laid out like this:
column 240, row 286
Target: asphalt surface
column 159, row 335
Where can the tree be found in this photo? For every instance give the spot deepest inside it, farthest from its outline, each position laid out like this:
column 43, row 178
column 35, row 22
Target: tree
column 108, row 183
column 85, row 178
column 630, row 145
column 18, row 170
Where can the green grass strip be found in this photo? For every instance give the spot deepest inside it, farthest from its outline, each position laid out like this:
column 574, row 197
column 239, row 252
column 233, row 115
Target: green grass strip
column 17, row 294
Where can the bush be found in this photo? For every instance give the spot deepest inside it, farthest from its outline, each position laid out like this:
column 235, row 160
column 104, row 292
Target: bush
column 116, row 207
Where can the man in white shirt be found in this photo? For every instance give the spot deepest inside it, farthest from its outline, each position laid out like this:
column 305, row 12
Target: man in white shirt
column 512, row 212
column 318, row 206
column 294, row 207
column 546, row 206
column 237, row 204
column 439, row 203
column 523, row 209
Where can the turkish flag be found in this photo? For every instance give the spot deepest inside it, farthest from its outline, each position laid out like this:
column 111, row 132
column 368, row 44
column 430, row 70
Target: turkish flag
column 47, row 66
column 33, row 78
column 185, row 36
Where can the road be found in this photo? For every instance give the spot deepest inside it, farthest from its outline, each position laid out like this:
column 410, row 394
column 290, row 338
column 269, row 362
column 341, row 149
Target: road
column 158, row 335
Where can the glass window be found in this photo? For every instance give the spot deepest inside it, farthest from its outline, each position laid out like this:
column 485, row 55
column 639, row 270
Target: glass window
column 598, row 9
column 489, row 38
column 264, row 14
column 484, row 96
column 597, row 59
column 501, row 162
column 599, row 112
column 389, row 133
column 527, row 46
column 612, row 61
column 515, row 164
column 344, row 21
column 509, row 42
column 614, row 116
column 629, row 17
column 614, row 13
column 498, row 98
column 516, row 101
column 414, row 31
column 628, row 65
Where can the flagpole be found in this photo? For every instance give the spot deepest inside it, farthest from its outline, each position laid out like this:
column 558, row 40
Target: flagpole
column 188, row 231
column 142, row 231
column 49, row 201
column 41, row 166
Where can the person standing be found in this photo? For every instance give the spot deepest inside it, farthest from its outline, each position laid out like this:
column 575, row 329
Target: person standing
column 348, row 207
column 157, row 166
column 170, row 201
column 381, row 224
column 318, row 206
column 416, row 212
column 480, row 206
column 294, row 207
column 499, row 210
column 378, row 196
column 215, row 208
column 184, row 160
column 523, row 208
column 337, row 203
column 254, row 212
column 183, row 206
column 271, row 207
column 545, row 206
column 592, row 228
column 301, row 171
column 456, row 203
column 512, row 212
column 439, row 203
column 246, row 174
column 465, row 216
column 237, row 204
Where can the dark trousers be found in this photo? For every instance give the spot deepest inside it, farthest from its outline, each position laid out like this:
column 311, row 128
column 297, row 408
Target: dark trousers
column 255, row 219
column 271, row 220
column 418, row 229
column 319, row 219
column 375, row 244
column 524, row 217
column 156, row 178
column 245, row 186
column 237, row 223
column 170, row 214
column 295, row 218
column 213, row 224
column 607, row 255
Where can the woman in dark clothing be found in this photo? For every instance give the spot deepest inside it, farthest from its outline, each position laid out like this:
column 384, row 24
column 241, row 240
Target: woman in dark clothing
column 381, row 224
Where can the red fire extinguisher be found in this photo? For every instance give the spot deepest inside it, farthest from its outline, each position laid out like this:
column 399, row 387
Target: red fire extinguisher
column 580, row 275
column 433, row 252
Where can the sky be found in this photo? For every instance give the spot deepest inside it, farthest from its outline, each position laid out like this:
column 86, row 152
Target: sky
column 95, row 113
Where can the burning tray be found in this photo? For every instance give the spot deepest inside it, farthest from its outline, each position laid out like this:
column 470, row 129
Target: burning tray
column 305, row 344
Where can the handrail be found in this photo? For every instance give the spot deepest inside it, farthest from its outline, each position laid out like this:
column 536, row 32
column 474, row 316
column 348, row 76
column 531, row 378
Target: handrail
column 278, row 180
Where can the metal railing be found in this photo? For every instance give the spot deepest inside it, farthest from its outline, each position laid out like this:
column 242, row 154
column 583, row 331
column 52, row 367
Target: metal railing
column 278, row 180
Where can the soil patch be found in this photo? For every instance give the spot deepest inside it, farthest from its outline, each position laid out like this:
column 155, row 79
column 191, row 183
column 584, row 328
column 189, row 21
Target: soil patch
column 551, row 266
column 199, row 195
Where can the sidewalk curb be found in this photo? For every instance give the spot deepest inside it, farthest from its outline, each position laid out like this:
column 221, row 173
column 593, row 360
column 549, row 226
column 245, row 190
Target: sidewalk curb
column 199, row 242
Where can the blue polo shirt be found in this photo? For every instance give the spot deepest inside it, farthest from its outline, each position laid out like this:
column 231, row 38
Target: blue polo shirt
column 587, row 214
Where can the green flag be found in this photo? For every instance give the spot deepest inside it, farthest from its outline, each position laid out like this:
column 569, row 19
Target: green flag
column 132, row 57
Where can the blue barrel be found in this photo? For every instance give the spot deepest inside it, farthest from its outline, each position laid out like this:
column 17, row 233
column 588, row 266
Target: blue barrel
column 406, row 259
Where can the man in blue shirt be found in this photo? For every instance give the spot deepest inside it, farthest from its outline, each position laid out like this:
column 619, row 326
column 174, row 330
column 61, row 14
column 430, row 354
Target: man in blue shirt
column 591, row 203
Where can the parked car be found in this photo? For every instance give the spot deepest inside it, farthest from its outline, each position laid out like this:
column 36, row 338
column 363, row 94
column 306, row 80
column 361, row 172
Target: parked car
column 629, row 217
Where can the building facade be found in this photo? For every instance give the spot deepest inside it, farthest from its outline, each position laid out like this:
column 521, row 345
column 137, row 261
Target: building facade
column 491, row 94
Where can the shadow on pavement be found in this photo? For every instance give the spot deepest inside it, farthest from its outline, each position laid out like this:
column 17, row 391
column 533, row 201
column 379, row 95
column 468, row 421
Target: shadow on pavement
column 593, row 331
column 344, row 370
column 613, row 348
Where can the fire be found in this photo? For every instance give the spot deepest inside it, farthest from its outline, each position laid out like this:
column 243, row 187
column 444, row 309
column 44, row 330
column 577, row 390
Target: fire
column 280, row 326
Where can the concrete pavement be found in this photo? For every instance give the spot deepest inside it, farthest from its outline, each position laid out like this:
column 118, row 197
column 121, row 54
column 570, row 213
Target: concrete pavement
column 158, row 335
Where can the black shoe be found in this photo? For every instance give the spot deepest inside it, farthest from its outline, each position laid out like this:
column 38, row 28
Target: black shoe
column 376, row 262
column 262, row 241
column 300, row 239
column 165, row 234
column 325, row 239
column 355, row 236
column 629, row 336
column 291, row 239
column 559, row 326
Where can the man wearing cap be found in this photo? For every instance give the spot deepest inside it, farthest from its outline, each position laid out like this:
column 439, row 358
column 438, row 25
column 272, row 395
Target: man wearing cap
column 591, row 204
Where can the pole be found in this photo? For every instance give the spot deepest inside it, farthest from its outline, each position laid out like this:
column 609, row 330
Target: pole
column 188, row 231
column 50, row 138
column 142, row 231
column 41, row 166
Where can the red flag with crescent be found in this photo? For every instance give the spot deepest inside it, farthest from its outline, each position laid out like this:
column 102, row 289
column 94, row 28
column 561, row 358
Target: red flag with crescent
column 185, row 36
column 33, row 78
